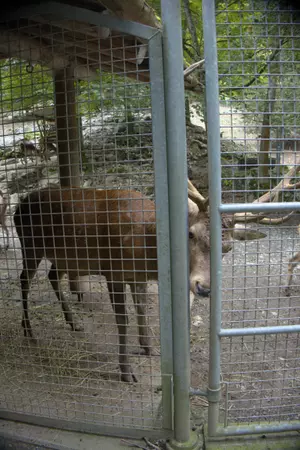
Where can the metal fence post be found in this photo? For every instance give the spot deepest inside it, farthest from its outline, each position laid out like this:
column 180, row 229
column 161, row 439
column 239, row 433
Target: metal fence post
column 177, row 179
column 214, row 171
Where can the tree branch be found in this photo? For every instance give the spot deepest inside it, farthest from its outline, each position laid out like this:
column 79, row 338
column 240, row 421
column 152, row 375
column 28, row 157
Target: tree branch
column 193, row 67
column 259, row 73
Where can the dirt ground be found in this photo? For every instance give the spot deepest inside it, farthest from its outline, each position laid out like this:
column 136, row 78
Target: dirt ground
column 260, row 376
column 75, row 375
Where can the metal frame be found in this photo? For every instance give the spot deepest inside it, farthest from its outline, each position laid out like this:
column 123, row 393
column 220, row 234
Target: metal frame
column 160, row 149
column 214, row 171
column 84, row 427
column 217, row 208
column 69, row 12
column 177, row 178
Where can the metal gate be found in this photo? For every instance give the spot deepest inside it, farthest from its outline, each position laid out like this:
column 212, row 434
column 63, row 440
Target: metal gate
column 252, row 90
column 64, row 379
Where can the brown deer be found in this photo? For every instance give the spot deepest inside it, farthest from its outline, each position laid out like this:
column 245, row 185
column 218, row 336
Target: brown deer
column 109, row 232
column 28, row 150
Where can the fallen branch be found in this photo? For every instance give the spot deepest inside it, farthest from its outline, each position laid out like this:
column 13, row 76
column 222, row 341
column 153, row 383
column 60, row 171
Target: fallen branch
column 193, row 67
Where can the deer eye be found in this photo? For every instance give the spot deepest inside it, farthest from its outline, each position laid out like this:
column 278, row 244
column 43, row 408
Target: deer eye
column 191, row 235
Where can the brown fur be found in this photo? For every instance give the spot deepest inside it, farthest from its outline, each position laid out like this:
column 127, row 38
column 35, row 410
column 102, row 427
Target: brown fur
column 113, row 233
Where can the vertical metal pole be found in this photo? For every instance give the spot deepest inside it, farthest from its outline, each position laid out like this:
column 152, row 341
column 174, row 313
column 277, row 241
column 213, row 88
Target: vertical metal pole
column 163, row 224
column 68, row 148
column 214, row 171
column 177, row 181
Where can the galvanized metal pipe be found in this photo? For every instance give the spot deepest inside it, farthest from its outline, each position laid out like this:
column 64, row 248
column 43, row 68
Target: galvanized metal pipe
column 240, row 430
column 177, row 180
column 259, row 330
column 259, row 207
column 214, row 171
column 163, row 224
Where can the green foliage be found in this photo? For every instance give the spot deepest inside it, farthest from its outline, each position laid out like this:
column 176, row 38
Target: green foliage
column 112, row 93
column 22, row 90
column 26, row 90
column 251, row 49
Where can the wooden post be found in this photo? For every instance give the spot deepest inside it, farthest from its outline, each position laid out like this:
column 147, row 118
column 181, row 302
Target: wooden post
column 68, row 145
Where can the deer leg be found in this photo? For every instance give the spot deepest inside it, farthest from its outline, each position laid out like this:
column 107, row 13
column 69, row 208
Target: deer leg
column 54, row 278
column 292, row 264
column 25, row 280
column 138, row 291
column 117, row 296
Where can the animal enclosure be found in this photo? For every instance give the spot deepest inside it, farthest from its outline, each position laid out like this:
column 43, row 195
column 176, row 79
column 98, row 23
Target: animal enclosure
column 85, row 169
column 77, row 103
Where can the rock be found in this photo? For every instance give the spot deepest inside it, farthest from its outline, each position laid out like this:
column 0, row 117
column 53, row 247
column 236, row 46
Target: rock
column 87, row 183
column 110, row 157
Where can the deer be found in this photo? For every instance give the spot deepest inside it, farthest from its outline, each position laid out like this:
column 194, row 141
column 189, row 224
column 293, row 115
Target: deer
column 3, row 210
column 28, row 150
column 85, row 231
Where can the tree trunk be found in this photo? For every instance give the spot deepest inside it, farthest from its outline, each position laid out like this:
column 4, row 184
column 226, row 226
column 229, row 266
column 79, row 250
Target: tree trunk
column 68, row 139
column 264, row 150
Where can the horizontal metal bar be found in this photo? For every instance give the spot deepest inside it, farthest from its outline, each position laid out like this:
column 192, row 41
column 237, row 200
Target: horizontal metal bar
column 227, row 332
column 61, row 11
column 258, row 207
column 82, row 427
column 198, row 392
column 257, row 429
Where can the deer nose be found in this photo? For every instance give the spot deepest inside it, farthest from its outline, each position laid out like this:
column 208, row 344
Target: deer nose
column 201, row 291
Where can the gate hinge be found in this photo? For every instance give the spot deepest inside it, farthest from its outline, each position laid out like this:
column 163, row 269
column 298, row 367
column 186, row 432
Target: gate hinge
column 214, row 395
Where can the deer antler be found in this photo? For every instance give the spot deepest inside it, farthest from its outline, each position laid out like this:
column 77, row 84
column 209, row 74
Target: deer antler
column 196, row 197
column 284, row 185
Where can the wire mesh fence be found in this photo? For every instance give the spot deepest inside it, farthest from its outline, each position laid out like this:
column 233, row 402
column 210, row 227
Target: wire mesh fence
column 61, row 373
column 258, row 52
column 90, row 125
